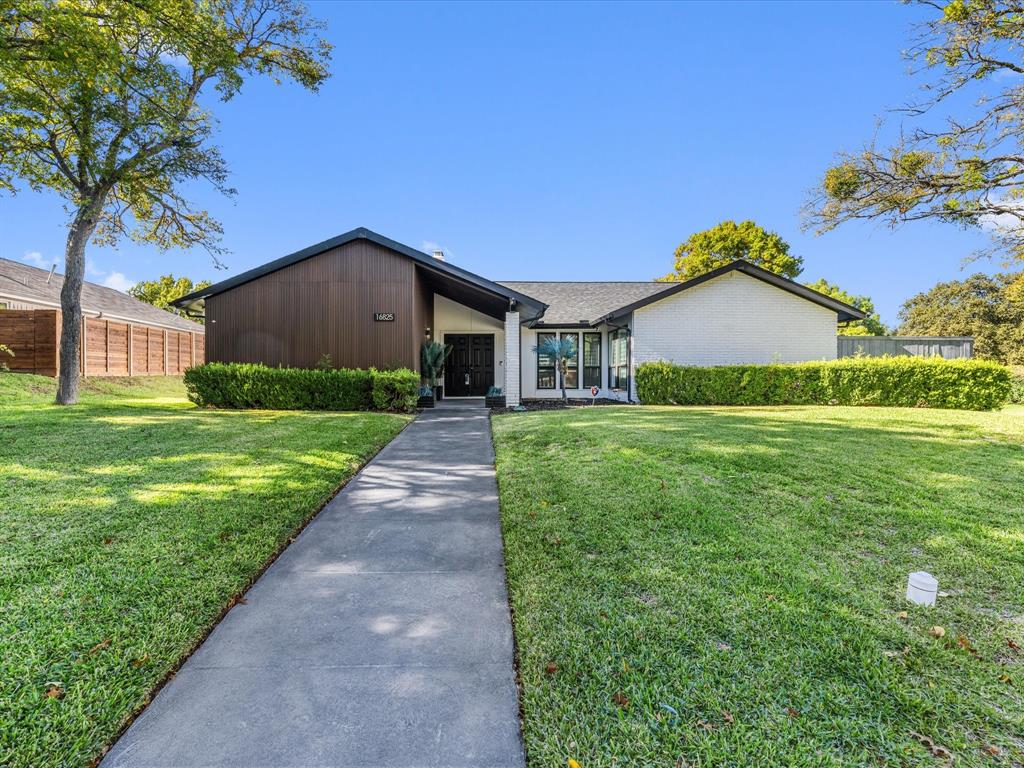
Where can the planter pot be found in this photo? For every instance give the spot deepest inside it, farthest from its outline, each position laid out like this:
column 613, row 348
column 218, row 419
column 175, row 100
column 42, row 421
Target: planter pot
column 425, row 401
column 438, row 393
column 495, row 402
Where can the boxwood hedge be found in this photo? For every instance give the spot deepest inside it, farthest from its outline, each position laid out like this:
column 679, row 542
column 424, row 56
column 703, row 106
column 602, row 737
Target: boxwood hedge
column 246, row 385
column 895, row 381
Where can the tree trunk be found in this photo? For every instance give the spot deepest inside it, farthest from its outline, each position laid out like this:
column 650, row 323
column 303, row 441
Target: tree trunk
column 563, row 369
column 79, row 233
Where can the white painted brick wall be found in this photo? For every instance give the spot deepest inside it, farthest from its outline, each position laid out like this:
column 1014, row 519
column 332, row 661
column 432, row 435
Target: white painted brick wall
column 512, row 330
column 733, row 319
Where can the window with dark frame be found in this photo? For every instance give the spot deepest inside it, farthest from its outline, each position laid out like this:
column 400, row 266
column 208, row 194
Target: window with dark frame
column 572, row 373
column 591, row 360
column 618, row 359
column 545, row 363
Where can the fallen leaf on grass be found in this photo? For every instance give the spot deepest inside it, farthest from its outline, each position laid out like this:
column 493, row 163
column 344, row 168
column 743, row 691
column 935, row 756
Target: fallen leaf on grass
column 992, row 749
column 932, row 747
column 98, row 647
column 1011, row 644
column 54, row 691
column 792, row 712
column 108, row 541
column 937, row 631
column 550, row 668
column 964, row 643
column 621, row 700
column 572, row 763
column 727, row 716
column 1004, row 678
column 705, row 725
column 724, row 647
column 140, row 661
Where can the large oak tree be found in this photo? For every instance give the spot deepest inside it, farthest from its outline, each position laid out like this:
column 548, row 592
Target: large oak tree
column 727, row 241
column 959, row 157
column 989, row 308
column 100, row 103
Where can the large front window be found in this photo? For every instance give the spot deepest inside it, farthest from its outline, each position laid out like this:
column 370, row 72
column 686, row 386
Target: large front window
column 545, row 363
column 618, row 359
column 591, row 359
column 572, row 373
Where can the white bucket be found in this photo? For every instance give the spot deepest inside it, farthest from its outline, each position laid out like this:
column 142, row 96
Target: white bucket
column 922, row 588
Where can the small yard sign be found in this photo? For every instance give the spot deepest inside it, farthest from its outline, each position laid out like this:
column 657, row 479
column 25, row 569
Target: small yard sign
column 384, row 317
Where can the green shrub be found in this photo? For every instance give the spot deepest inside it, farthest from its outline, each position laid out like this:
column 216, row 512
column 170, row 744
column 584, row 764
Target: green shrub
column 395, row 390
column 896, row 381
column 247, row 385
column 1017, row 384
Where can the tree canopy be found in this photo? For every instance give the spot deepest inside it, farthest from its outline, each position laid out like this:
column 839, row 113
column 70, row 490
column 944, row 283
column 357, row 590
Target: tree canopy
column 728, row 241
column 966, row 169
column 991, row 309
column 100, row 103
column 165, row 289
column 871, row 325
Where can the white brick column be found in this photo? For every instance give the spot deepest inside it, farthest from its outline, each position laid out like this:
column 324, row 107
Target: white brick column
column 511, row 388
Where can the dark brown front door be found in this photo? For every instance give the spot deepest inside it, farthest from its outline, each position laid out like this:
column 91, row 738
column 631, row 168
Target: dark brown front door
column 470, row 369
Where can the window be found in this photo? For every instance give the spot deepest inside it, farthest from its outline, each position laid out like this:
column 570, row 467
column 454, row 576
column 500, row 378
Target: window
column 618, row 359
column 572, row 373
column 591, row 359
column 545, row 363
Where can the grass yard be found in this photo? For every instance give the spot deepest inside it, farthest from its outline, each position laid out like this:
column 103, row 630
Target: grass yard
column 127, row 524
column 724, row 586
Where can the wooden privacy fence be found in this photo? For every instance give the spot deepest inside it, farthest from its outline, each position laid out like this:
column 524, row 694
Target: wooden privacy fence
column 949, row 347
column 109, row 347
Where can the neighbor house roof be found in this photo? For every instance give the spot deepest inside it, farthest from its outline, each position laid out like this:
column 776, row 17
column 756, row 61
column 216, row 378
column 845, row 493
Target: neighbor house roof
column 592, row 303
column 533, row 306
column 35, row 286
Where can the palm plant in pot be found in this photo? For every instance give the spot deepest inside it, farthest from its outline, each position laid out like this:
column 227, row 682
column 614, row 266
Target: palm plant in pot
column 433, row 355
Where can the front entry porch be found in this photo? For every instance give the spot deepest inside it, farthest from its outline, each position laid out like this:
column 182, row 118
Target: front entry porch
column 470, row 369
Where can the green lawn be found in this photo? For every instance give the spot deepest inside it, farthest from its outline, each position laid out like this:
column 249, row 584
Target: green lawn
column 723, row 586
column 127, row 524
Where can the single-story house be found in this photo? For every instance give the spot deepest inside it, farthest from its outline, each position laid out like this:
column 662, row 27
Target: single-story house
column 366, row 300
column 122, row 336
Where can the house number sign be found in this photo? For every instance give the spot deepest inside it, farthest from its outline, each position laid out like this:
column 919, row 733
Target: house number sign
column 384, row 317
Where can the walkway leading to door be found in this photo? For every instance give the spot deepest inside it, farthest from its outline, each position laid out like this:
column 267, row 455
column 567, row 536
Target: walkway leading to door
column 380, row 637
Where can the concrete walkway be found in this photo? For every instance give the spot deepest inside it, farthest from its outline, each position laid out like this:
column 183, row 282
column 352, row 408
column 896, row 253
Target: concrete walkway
column 380, row 637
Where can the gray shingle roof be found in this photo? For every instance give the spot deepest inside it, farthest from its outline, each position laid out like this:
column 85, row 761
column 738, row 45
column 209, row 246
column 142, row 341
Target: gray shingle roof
column 29, row 283
column 575, row 302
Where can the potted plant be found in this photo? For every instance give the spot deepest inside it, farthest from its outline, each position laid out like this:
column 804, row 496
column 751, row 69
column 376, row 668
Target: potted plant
column 495, row 398
column 426, row 398
column 433, row 355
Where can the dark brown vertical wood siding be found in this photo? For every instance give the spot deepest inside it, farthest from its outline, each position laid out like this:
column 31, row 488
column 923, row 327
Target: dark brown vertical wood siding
column 323, row 305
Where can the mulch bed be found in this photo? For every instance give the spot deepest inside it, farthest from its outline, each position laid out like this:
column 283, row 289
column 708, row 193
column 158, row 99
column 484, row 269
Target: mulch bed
column 556, row 405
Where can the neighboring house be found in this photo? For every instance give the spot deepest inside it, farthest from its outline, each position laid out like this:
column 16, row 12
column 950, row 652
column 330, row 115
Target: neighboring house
column 366, row 301
column 124, row 336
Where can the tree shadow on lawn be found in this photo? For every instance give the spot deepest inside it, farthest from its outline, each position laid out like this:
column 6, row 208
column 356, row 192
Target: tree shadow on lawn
column 124, row 531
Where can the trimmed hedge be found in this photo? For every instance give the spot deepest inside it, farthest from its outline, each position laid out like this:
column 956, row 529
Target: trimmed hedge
column 247, row 385
column 895, row 381
column 1017, row 384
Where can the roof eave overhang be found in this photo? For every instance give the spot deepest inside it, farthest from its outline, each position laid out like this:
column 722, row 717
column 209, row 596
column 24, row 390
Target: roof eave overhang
column 535, row 309
column 844, row 312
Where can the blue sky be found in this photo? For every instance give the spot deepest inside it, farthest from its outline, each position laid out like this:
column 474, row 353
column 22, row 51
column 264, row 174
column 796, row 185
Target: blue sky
column 558, row 142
